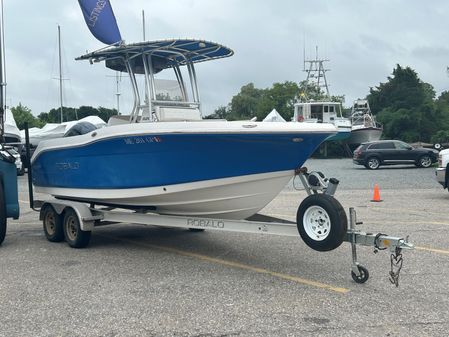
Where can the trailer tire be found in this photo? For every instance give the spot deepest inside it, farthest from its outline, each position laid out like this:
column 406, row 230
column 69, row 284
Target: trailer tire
column 74, row 236
column 3, row 220
column 52, row 223
column 321, row 222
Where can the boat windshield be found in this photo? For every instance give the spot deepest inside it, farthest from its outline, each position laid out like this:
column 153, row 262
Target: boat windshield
column 168, row 90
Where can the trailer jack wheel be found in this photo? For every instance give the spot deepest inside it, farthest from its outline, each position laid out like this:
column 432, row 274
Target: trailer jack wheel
column 75, row 237
column 362, row 276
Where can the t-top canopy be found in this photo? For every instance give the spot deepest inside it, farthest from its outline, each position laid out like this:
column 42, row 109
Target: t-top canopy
column 164, row 54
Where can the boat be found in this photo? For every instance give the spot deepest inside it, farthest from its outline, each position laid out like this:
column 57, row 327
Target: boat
column 323, row 112
column 320, row 111
column 163, row 157
column 364, row 126
column 11, row 132
column 58, row 130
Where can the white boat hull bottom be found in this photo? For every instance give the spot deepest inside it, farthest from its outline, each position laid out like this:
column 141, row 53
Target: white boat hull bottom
column 364, row 135
column 227, row 198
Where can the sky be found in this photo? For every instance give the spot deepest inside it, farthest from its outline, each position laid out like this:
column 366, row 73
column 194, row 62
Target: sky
column 364, row 40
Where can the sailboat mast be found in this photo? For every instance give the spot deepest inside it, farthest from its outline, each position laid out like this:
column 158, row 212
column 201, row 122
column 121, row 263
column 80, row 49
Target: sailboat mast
column 60, row 70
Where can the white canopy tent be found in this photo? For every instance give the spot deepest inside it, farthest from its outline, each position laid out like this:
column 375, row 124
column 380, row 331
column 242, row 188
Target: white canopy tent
column 274, row 116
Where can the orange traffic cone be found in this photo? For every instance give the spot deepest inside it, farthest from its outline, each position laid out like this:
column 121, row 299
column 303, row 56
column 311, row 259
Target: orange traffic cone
column 376, row 196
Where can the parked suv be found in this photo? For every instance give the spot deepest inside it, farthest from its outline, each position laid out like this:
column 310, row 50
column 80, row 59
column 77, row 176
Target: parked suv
column 392, row 152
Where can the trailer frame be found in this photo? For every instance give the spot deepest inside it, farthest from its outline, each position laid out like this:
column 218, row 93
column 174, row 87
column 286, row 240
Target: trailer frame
column 75, row 220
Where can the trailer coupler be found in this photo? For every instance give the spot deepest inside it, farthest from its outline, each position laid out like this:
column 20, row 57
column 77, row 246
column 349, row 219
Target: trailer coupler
column 380, row 242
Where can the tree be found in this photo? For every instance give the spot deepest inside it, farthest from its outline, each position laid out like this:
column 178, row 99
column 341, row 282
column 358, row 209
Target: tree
column 253, row 102
column 222, row 112
column 282, row 97
column 402, row 91
column 72, row 114
column 405, row 106
column 244, row 104
column 22, row 116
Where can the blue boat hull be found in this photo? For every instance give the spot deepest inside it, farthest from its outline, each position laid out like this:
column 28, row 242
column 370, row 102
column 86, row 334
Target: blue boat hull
column 227, row 170
column 168, row 159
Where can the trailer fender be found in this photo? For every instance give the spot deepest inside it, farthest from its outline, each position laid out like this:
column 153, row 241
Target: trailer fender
column 84, row 213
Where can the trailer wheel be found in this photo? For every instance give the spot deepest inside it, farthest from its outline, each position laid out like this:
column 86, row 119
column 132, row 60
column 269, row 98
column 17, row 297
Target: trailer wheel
column 321, row 222
column 75, row 237
column 363, row 277
column 3, row 220
column 52, row 223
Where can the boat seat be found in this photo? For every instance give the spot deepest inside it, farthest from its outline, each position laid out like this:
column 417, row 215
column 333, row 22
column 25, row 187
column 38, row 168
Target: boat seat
column 173, row 114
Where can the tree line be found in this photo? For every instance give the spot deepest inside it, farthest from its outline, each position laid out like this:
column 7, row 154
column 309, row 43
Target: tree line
column 23, row 115
column 406, row 106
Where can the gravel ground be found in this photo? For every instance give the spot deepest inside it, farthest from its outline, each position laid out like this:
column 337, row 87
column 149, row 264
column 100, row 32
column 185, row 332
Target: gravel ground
column 137, row 280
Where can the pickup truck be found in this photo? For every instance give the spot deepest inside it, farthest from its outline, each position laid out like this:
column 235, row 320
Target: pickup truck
column 442, row 172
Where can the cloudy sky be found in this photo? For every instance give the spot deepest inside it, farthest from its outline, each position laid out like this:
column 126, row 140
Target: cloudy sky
column 364, row 40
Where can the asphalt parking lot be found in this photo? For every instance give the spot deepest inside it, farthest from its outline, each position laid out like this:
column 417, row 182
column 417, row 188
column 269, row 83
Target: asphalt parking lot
column 136, row 280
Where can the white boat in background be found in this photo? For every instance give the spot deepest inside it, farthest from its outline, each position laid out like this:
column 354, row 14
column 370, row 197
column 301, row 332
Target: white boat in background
column 56, row 130
column 323, row 112
column 364, row 126
column 12, row 133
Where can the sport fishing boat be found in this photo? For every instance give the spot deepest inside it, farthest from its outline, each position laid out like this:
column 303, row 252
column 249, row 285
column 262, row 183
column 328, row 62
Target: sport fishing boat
column 324, row 110
column 364, row 125
column 163, row 157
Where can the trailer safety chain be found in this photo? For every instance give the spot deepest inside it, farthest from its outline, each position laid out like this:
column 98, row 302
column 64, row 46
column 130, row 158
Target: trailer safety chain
column 396, row 262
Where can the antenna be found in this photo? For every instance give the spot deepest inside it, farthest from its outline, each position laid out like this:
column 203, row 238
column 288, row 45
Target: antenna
column 316, row 72
column 60, row 69
column 304, row 54
column 118, row 79
column 143, row 24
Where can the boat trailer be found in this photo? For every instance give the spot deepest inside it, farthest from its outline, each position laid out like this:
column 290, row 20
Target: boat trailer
column 321, row 223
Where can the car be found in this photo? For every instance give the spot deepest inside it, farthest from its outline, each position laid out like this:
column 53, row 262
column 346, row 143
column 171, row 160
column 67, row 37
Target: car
column 19, row 165
column 442, row 171
column 392, row 152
